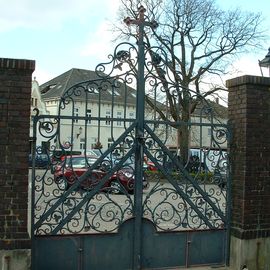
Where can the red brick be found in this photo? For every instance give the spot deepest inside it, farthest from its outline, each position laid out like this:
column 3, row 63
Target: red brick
column 15, row 88
column 249, row 114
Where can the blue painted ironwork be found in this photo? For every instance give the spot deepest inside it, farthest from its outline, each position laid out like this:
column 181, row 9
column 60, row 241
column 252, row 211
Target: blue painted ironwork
column 115, row 201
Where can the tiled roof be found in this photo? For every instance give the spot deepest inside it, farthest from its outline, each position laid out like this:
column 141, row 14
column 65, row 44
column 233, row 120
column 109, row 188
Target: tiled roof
column 57, row 87
column 217, row 109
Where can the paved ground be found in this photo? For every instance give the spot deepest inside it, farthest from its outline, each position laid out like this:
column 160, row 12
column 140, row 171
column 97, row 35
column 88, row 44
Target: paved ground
column 201, row 268
column 209, row 268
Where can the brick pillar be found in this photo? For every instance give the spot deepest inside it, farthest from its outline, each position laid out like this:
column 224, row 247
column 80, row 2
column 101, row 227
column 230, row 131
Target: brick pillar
column 15, row 98
column 249, row 115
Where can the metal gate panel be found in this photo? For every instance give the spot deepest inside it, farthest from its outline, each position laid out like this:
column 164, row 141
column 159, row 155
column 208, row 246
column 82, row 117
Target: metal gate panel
column 161, row 250
column 113, row 251
column 84, row 252
column 172, row 213
column 207, row 247
column 138, row 205
column 56, row 253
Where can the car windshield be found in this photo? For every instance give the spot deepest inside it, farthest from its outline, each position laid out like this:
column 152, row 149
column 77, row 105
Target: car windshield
column 42, row 157
column 80, row 162
column 97, row 152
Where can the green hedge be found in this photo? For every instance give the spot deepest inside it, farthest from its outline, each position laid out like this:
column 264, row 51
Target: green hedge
column 204, row 177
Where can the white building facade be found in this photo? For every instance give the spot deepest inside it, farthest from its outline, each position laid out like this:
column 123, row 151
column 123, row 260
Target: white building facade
column 96, row 118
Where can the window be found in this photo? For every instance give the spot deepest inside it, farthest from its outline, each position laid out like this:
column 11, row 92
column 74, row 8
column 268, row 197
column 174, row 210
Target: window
column 131, row 116
column 88, row 114
column 76, row 114
column 93, row 141
column 82, row 143
column 108, row 115
column 114, row 92
column 34, row 102
column 209, row 131
column 110, row 142
column 118, row 115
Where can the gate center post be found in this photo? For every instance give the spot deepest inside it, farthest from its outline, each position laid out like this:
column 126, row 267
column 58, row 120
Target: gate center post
column 139, row 154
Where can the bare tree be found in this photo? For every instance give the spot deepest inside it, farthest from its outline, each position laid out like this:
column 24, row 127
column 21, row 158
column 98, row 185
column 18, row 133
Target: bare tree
column 194, row 39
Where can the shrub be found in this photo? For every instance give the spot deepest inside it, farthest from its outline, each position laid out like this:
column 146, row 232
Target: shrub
column 202, row 177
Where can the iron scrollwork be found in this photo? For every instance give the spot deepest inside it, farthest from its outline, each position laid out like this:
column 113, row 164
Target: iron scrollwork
column 177, row 195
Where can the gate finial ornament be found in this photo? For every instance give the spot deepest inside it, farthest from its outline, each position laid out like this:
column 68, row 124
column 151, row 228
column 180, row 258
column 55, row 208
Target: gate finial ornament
column 141, row 20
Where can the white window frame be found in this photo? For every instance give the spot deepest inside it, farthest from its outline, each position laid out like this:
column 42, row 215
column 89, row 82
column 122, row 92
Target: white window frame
column 119, row 116
column 89, row 114
column 82, row 143
column 108, row 115
column 76, row 113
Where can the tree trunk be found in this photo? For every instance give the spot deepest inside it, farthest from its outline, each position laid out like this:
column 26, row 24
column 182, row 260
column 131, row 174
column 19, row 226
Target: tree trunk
column 183, row 141
column 183, row 129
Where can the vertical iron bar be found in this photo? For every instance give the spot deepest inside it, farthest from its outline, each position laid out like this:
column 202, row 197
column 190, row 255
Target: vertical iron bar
column 33, row 176
column 85, row 126
column 228, row 202
column 99, row 114
column 139, row 150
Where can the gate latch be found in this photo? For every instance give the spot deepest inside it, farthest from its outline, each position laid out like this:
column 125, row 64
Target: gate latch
column 140, row 138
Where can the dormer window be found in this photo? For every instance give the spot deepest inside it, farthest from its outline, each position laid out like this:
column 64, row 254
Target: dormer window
column 34, row 102
column 47, row 88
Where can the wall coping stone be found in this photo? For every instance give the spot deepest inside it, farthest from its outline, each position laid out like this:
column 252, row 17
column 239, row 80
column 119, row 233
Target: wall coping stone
column 248, row 79
column 10, row 63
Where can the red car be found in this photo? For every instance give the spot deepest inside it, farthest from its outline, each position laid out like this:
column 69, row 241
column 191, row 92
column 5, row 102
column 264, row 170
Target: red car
column 149, row 165
column 72, row 167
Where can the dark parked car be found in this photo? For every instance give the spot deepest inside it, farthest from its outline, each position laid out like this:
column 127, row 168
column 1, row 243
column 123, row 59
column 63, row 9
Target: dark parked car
column 41, row 161
column 71, row 168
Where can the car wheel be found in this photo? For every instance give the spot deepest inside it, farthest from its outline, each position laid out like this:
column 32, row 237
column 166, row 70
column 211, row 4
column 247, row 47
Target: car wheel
column 131, row 192
column 115, row 187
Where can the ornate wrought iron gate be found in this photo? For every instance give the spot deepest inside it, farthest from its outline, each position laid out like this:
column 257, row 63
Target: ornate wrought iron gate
column 136, row 204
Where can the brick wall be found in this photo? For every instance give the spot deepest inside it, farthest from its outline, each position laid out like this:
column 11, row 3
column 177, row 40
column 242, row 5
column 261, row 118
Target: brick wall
column 15, row 97
column 249, row 115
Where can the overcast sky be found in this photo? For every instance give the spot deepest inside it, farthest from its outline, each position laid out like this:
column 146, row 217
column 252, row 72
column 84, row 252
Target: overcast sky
column 64, row 34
